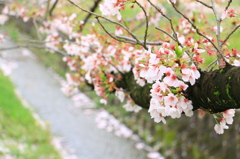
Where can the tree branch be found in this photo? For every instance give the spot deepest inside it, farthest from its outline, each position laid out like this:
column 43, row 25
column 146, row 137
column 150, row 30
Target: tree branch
column 233, row 31
column 197, row 30
column 208, row 6
column 228, row 5
column 47, row 9
column 115, row 38
column 93, row 8
column 165, row 16
column 53, row 7
column 33, row 46
column 135, row 42
column 146, row 29
column 166, row 33
column 218, row 20
column 112, row 21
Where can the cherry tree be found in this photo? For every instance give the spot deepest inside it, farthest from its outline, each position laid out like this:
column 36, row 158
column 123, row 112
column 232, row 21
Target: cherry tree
column 161, row 55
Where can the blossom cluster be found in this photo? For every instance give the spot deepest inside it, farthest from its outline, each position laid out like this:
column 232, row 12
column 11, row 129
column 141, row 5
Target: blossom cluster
column 112, row 7
column 225, row 118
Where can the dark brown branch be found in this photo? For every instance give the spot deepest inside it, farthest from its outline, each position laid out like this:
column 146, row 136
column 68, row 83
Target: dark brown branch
column 174, row 37
column 208, row 6
column 215, row 91
column 140, row 95
column 146, row 29
column 47, row 9
column 228, row 5
column 112, row 21
column 166, row 33
column 233, row 31
column 198, row 31
column 93, row 9
column 53, row 7
column 135, row 42
column 165, row 16
column 218, row 21
column 115, row 38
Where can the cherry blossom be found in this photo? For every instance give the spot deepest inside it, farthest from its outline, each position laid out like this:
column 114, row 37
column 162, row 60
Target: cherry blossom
column 228, row 115
column 111, row 7
column 120, row 94
column 153, row 110
column 227, row 118
column 130, row 106
column 170, row 100
column 190, row 74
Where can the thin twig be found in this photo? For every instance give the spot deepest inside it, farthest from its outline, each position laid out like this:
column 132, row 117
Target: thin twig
column 47, row 9
column 218, row 20
column 53, row 7
column 93, row 8
column 211, row 64
column 233, row 31
column 206, row 5
column 228, row 5
column 112, row 21
column 194, row 26
column 146, row 29
column 165, row 16
column 35, row 41
column 32, row 46
column 166, row 33
column 174, row 37
column 134, row 41
column 127, row 39
column 115, row 38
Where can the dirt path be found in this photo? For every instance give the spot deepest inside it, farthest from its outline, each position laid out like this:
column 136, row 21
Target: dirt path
column 41, row 90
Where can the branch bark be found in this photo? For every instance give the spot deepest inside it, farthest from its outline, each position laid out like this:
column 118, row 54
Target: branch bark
column 53, row 7
column 93, row 8
column 214, row 91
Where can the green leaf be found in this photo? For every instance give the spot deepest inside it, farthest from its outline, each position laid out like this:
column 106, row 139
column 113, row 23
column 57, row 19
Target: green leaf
column 14, row 34
column 178, row 51
column 103, row 77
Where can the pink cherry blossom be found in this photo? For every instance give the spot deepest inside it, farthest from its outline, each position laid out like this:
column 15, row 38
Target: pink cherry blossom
column 182, row 85
column 111, row 7
column 171, row 80
column 153, row 59
column 159, row 87
column 170, row 100
column 219, row 129
column 195, row 71
column 228, row 115
column 153, row 110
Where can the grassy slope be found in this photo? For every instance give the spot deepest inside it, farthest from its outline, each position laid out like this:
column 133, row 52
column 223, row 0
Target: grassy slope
column 20, row 135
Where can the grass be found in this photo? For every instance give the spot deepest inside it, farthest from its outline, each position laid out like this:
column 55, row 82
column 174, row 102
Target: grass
column 21, row 136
